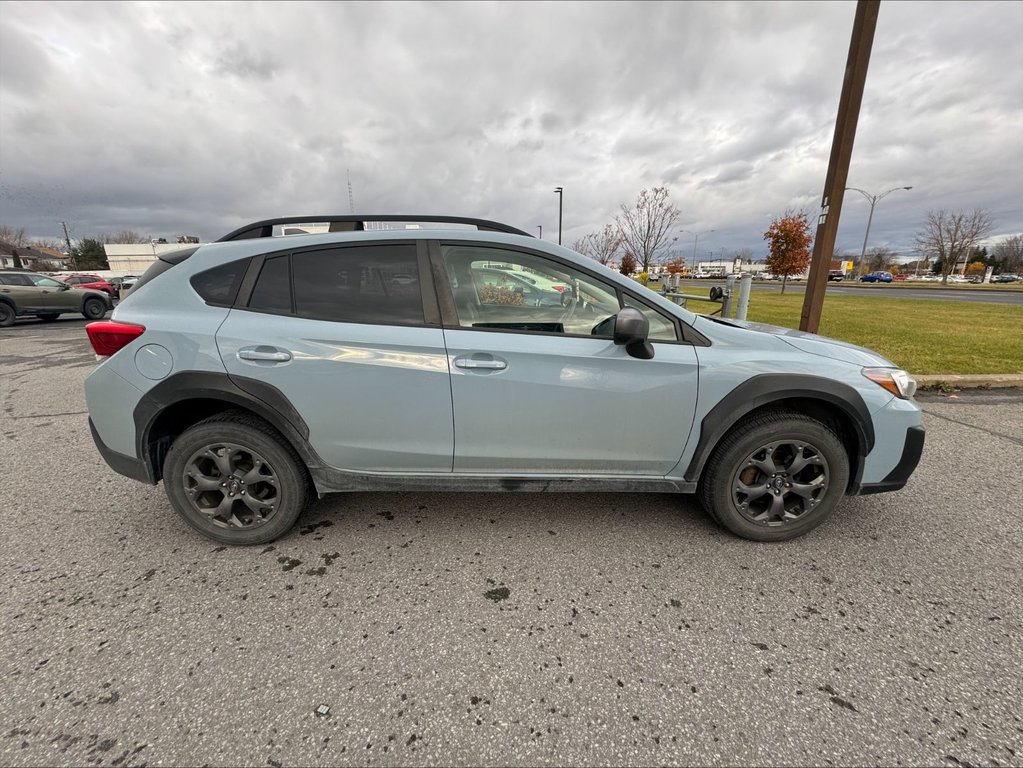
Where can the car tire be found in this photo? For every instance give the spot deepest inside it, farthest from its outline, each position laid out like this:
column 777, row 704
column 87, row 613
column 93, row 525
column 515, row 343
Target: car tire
column 49, row 317
column 236, row 480
column 775, row 476
column 93, row 309
column 6, row 315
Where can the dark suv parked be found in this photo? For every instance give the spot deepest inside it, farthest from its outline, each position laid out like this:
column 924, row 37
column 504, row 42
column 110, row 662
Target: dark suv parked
column 29, row 293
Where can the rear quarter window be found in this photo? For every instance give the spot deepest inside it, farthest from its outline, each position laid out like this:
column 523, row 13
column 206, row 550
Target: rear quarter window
column 219, row 286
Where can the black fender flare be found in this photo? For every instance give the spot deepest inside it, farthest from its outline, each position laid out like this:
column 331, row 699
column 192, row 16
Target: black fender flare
column 258, row 397
column 768, row 388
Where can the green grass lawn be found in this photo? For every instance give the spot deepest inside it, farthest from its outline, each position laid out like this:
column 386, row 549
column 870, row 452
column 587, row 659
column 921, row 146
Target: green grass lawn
column 920, row 335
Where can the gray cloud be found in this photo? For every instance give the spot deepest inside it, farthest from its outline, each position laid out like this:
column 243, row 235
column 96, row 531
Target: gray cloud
column 175, row 118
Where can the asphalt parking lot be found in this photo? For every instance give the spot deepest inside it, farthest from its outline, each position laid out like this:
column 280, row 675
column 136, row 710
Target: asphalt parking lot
column 502, row 629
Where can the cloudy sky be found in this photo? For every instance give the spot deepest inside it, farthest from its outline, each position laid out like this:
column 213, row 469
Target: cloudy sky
column 198, row 117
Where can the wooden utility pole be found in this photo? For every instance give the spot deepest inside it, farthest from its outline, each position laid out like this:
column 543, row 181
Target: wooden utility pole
column 838, row 167
column 70, row 254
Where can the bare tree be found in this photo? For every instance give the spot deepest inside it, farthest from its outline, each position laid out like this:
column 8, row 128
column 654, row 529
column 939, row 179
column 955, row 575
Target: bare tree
column 949, row 235
column 13, row 236
column 52, row 243
column 602, row 246
column 125, row 236
column 645, row 228
column 880, row 259
column 1009, row 254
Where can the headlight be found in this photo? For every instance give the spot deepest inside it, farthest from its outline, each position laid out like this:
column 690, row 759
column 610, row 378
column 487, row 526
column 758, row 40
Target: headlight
column 899, row 383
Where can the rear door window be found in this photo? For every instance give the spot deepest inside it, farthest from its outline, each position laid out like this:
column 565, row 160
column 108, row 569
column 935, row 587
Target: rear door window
column 376, row 284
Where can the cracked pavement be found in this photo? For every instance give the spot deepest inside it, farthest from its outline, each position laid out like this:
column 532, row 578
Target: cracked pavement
column 490, row 629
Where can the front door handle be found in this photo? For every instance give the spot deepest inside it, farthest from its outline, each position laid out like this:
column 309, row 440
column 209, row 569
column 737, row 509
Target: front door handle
column 264, row 354
column 487, row 363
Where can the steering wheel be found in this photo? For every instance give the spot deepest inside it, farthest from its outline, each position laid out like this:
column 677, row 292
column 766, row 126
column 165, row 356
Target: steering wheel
column 571, row 303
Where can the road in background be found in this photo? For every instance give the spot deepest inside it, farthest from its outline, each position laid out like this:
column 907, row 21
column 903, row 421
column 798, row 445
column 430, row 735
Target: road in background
column 993, row 296
column 598, row 629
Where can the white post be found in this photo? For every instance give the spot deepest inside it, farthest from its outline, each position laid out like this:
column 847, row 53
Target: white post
column 745, row 284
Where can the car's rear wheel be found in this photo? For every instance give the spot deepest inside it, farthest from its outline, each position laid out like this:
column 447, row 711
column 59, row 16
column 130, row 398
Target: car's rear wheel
column 49, row 317
column 94, row 309
column 236, row 480
column 6, row 314
column 776, row 476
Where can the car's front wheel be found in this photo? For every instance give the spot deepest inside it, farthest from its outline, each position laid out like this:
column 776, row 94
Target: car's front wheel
column 776, row 476
column 236, row 480
column 94, row 309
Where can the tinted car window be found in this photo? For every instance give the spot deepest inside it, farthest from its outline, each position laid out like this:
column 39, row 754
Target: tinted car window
column 218, row 286
column 15, row 280
column 366, row 284
column 272, row 292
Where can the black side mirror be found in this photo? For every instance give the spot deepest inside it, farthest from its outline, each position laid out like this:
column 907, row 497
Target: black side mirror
column 631, row 331
column 64, row 287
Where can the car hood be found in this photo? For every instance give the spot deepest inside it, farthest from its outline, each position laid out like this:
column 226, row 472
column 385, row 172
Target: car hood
column 813, row 344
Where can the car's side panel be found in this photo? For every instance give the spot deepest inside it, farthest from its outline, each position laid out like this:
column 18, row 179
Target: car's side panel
column 568, row 404
column 25, row 298
column 375, row 397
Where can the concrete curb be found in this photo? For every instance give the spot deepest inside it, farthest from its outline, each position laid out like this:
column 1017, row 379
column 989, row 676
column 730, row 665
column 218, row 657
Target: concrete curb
column 969, row 381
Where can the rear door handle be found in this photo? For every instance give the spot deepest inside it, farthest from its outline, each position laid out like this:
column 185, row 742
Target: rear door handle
column 264, row 354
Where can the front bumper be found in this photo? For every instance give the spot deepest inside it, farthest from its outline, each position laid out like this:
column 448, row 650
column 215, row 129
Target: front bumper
column 912, row 450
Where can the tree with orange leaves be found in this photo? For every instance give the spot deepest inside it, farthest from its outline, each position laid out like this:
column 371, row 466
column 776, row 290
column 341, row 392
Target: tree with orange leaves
column 789, row 243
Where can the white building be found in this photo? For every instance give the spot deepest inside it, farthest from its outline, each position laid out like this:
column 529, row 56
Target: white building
column 135, row 258
column 728, row 267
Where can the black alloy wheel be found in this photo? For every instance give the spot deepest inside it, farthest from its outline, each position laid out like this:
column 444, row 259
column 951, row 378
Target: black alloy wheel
column 780, row 482
column 232, row 485
column 235, row 479
column 775, row 476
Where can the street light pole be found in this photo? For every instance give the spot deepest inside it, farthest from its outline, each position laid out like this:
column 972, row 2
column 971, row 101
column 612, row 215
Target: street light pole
column 873, row 201
column 559, row 192
column 696, row 241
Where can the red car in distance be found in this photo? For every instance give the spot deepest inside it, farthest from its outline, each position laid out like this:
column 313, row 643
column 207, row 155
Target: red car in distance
column 93, row 282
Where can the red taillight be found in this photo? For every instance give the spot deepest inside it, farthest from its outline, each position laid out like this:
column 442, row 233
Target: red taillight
column 110, row 336
column 560, row 288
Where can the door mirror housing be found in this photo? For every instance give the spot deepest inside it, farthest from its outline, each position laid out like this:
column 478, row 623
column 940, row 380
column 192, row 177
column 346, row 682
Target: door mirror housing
column 631, row 331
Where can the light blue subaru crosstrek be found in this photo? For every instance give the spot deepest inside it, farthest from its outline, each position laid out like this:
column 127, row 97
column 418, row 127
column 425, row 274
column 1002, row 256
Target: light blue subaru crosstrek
column 308, row 355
